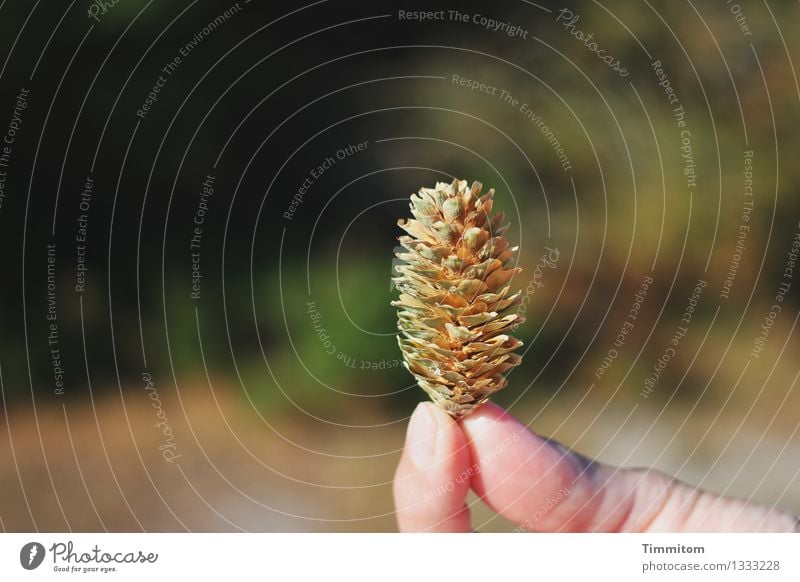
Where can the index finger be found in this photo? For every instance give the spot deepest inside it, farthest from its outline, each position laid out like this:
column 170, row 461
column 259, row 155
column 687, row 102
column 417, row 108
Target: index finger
column 542, row 485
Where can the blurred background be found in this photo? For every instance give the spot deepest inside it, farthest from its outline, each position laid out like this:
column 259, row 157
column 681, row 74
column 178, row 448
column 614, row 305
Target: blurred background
column 197, row 222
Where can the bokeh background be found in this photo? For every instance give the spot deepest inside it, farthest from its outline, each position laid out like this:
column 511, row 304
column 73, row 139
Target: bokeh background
column 272, row 399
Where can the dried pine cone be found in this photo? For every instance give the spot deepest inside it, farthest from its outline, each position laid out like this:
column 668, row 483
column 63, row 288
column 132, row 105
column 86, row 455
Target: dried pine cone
column 454, row 297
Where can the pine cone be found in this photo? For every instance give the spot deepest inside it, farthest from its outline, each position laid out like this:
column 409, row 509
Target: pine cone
column 454, row 303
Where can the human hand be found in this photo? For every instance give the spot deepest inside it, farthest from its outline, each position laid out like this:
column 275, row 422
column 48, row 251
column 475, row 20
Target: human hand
column 541, row 485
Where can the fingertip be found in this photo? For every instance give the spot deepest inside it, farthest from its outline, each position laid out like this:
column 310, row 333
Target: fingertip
column 491, row 425
column 519, row 471
column 431, row 481
column 491, row 414
column 421, row 436
column 487, row 410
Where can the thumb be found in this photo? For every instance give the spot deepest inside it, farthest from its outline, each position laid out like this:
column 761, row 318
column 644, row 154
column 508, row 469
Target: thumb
column 432, row 478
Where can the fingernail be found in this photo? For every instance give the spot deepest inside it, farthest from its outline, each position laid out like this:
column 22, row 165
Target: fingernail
column 421, row 436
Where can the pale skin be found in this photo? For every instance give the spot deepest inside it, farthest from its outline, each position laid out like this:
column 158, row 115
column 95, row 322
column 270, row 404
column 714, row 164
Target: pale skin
column 540, row 485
